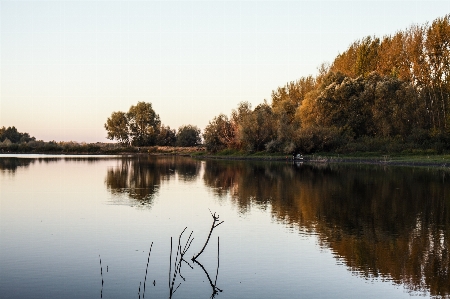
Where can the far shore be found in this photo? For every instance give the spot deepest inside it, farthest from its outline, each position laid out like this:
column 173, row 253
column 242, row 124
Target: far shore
column 200, row 152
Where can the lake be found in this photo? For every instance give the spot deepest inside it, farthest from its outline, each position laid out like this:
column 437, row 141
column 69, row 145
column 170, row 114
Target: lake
column 102, row 227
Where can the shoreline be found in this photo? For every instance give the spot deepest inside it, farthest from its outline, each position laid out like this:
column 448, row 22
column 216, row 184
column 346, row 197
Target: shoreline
column 394, row 161
column 439, row 161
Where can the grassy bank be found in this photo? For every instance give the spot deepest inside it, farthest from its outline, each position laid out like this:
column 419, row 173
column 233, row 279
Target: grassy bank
column 412, row 159
column 73, row 148
column 422, row 158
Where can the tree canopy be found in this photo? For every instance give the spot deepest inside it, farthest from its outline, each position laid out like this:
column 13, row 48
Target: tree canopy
column 388, row 93
column 188, row 135
column 14, row 136
column 139, row 126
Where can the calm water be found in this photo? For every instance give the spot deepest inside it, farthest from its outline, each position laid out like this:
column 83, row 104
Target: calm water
column 289, row 231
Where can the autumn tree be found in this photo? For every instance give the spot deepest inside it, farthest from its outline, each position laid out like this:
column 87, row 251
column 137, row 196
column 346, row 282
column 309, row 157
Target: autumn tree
column 166, row 136
column 437, row 45
column 394, row 88
column 285, row 102
column 188, row 135
column 258, row 128
column 117, row 127
column 237, row 118
column 219, row 133
column 144, row 124
column 139, row 126
column 367, row 56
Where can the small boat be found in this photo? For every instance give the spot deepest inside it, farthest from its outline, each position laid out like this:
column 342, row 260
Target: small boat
column 297, row 157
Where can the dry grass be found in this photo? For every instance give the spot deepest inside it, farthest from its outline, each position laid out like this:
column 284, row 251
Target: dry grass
column 175, row 149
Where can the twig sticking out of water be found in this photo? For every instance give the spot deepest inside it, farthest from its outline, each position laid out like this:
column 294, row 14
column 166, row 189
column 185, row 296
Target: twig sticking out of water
column 217, row 271
column 179, row 257
column 146, row 269
column 213, row 226
column 101, row 275
column 214, row 287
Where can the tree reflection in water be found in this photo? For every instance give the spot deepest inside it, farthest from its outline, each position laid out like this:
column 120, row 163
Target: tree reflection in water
column 386, row 222
column 139, row 178
column 392, row 223
column 11, row 164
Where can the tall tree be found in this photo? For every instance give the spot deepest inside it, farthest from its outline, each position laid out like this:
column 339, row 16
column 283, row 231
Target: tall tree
column 437, row 46
column 117, row 127
column 188, row 135
column 219, row 133
column 13, row 135
column 166, row 136
column 144, row 124
column 258, row 127
column 367, row 56
column 237, row 118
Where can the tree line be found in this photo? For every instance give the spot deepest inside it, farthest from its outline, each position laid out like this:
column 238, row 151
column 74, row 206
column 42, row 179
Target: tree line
column 141, row 126
column 381, row 94
column 11, row 135
column 389, row 94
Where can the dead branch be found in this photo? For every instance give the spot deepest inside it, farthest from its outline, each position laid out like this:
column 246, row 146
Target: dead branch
column 213, row 226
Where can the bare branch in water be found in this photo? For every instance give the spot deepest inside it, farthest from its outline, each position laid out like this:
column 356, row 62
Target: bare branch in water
column 101, row 275
column 214, row 287
column 179, row 257
column 213, row 226
column 177, row 262
column 146, row 269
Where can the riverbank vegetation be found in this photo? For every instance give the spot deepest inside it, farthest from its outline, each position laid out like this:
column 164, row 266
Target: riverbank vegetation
column 141, row 126
column 388, row 95
column 384, row 96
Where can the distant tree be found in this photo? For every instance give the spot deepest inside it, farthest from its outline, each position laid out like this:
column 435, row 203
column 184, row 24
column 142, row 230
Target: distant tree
column 6, row 142
column 188, row 135
column 237, row 121
column 14, row 136
column 166, row 136
column 11, row 133
column 437, row 45
column 367, row 56
column 144, row 124
column 140, row 126
column 219, row 133
column 258, row 128
column 117, row 127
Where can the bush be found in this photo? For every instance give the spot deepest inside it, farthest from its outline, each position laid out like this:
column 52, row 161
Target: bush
column 319, row 139
column 273, row 146
column 188, row 136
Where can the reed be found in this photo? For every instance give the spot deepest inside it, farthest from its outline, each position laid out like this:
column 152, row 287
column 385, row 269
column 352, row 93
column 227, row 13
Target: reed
column 176, row 259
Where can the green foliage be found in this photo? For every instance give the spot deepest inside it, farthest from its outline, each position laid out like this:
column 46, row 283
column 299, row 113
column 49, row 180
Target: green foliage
column 258, row 128
column 366, row 56
column 117, row 127
column 188, row 135
column 12, row 135
column 140, row 126
column 166, row 137
column 319, row 139
column 219, row 133
column 144, row 124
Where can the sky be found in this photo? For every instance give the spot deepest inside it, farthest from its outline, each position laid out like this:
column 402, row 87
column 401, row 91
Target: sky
column 65, row 66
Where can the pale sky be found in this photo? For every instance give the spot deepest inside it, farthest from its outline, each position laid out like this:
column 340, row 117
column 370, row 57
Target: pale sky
column 65, row 66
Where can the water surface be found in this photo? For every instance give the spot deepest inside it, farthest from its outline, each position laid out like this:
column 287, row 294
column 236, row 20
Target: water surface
column 289, row 231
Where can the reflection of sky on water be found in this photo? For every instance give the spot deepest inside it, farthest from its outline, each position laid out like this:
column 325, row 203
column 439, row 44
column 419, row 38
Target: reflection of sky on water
column 57, row 218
